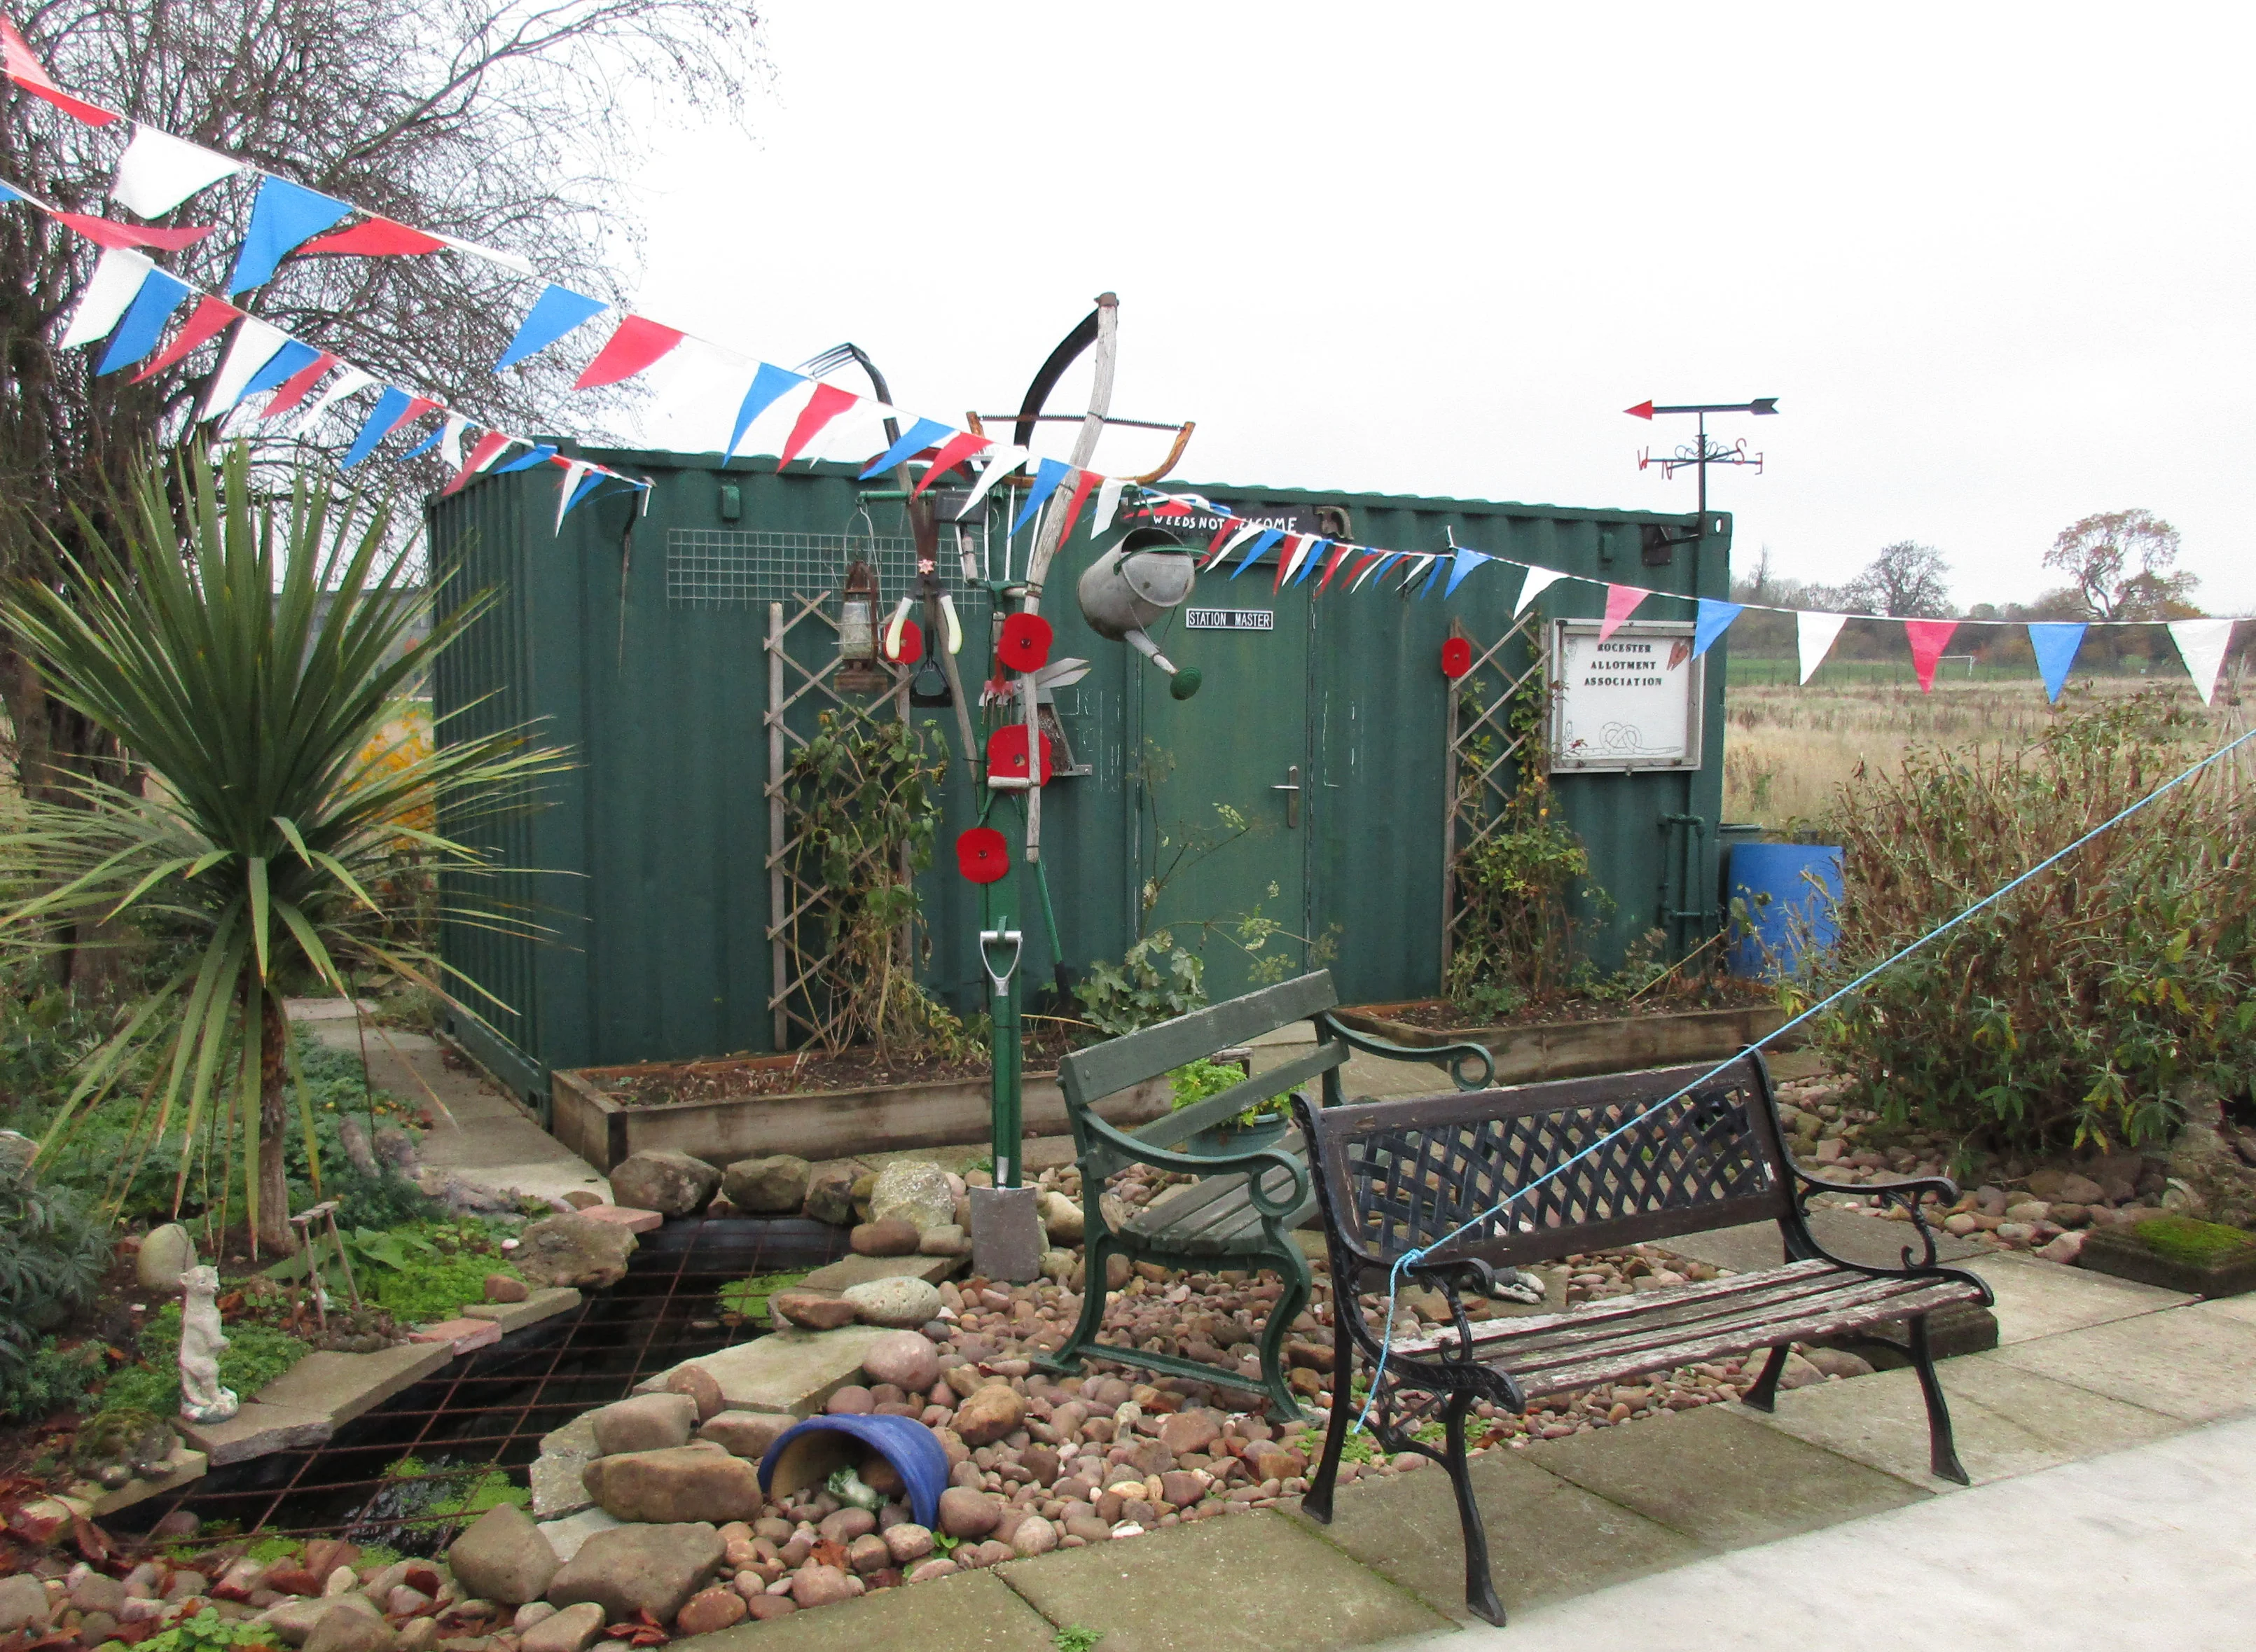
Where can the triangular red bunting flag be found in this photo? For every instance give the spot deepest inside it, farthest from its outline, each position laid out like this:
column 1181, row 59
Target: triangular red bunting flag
column 108, row 232
column 827, row 402
column 1929, row 639
column 958, row 448
column 1284, row 561
column 295, row 388
column 22, row 65
column 1621, row 602
column 1332, row 567
column 635, row 346
column 1230, row 525
column 377, row 238
column 1084, row 483
column 210, row 317
column 481, row 455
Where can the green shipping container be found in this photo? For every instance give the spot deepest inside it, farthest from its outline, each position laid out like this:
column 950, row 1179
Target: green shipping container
column 635, row 636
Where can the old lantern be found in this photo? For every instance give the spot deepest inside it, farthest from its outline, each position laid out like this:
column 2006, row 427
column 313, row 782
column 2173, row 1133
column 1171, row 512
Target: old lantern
column 857, row 631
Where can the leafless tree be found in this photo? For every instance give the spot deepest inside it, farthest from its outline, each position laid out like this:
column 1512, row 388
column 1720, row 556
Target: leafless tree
column 508, row 123
column 2123, row 564
column 1907, row 579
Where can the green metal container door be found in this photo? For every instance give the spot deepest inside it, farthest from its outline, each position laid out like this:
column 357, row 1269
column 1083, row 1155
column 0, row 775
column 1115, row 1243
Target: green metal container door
column 637, row 638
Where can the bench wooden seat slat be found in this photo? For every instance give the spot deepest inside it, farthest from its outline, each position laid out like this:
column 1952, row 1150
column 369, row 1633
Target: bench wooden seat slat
column 1448, row 1185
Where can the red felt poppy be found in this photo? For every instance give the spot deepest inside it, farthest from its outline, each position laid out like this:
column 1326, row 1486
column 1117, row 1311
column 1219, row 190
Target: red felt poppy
column 911, row 643
column 1457, row 656
column 1006, row 754
column 1025, row 644
column 982, row 855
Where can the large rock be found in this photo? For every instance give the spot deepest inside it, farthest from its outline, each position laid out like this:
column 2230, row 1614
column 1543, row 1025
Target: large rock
column 917, row 1190
column 830, row 1195
column 747, row 1434
column 771, row 1186
column 166, row 1255
column 503, row 1557
column 897, row 1303
column 670, row 1183
column 574, row 1250
column 573, row 1629
column 894, row 1236
column 677, row 1486
column 23, row 1604
column 1062, row 1219
column 814, row 1310
column 989, row 1414
column 968, row 1513
column 344, row 1628
column 699, row 1385
column 646, row 1423
column 907, row 1360
column 630, row 1568
column 2222, row 1188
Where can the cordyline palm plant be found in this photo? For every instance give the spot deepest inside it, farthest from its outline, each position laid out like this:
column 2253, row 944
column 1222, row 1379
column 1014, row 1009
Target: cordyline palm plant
column 249, row 657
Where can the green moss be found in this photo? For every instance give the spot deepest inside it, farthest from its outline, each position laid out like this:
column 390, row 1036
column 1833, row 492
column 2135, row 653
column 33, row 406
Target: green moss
column 2180, row 1239
column 254, row 1356
column 749, row 1297
column 432, row 1287
column 489, row 1490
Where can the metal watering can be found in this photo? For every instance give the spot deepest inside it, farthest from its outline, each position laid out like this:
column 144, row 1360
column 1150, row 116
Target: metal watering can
column 1134, row 583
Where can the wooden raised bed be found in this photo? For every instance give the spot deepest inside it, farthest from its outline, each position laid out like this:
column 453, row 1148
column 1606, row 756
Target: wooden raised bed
column 1531, row 1053
column 814, row 1124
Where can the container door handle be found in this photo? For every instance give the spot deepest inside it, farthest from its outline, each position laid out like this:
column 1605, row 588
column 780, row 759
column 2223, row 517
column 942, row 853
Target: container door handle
column 1291, row 788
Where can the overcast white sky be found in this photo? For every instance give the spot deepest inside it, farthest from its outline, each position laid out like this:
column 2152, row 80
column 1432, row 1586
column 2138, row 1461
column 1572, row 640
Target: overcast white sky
column 1994, row 260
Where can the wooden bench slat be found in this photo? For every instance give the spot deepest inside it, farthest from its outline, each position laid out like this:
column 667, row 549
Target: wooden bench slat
column 1088, row 1076
column 1185, row 1122
column 1596, row 1315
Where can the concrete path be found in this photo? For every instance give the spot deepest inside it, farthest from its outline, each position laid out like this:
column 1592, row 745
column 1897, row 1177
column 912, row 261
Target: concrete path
column 482, row 1135
column 2157, row 1543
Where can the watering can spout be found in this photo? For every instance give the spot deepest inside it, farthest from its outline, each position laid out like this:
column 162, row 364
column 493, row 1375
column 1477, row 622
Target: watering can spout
column 1184, row 680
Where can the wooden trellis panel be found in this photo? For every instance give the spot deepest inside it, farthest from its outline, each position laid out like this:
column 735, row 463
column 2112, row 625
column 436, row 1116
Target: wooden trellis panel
column 1475, row 798
column 798, row 695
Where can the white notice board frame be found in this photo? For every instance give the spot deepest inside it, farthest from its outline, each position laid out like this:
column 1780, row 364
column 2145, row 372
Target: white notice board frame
column 1631, row 721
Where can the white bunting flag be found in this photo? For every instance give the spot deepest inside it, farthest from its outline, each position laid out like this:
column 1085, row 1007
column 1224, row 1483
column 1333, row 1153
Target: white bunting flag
column 1298, row 543
column 158, row 172
column 1000, row 464
column 695, row 389
column 254, row 346
column 1108, row 505
column 344, row 384
column 1537, row 581
column 2202, row 645
column 574, row 472
column 492, row 255
column 1813, row 636
column 1250, row 532
column 450, row 440
column 118, row 276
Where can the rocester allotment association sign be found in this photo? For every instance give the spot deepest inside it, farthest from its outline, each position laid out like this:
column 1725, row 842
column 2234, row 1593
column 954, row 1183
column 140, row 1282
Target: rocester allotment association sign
column 1629, row 702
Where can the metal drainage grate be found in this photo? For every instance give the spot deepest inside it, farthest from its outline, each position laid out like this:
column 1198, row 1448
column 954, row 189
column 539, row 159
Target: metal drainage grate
column 489, row 1410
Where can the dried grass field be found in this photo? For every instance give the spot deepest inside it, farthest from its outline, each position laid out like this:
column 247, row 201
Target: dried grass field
column 1789, row 749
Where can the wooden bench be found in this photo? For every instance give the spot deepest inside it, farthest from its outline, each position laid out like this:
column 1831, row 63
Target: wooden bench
column 1395, row 1177
column 1242, row 1212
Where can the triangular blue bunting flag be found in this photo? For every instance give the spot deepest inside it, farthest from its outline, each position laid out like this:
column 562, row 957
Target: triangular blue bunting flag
column 1461, row 563
column 1315, row 554
column 391, row 408
column 143, row 323
column 427, row 443
column 2055, row 644
column 1378, row 571
column 555, row 312
column 924, row 433
column 768, row 385
column 527, row 462
column 284, row 217
column 10, row 193
column 587, row 485
column 1431, row 574
column 1262, row 541
column 280, row 367
column 1047, row 476
column 1714, row 620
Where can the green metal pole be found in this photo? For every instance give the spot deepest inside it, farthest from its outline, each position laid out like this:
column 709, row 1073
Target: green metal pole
column 1002, row 947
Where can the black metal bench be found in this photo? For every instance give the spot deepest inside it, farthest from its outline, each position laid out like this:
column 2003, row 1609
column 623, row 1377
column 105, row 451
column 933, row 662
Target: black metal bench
column 1397, row 1177
column 1242, row 1212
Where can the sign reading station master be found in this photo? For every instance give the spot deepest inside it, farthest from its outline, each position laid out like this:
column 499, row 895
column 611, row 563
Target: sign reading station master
column 1229, row 620
column 1632, row 701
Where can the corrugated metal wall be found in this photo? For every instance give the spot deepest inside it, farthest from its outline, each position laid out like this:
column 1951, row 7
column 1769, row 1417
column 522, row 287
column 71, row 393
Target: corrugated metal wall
column 636, row 639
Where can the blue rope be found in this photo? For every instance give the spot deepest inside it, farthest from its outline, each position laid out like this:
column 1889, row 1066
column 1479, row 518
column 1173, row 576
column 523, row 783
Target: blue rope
column 1411, row 1258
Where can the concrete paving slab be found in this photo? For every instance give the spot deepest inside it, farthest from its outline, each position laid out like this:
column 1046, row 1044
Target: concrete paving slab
column 859, row 1271
column 576, row 1437
column 1547, row 1538
column 626, row 1216
column 2042, row 1298
column 341, row 1386
column 545, row 1303
column 2186, row 1363
column 177, row 1470
column 2007, row 1420
column 1720, row 1480
column 2242, row 1309
column 458, row 1336
column 975, row 1611
column 790, row 1371
column 255, row 1431
column 1859, row 1239
column 559, row 1486
column 2154, row 1539
column 1245, row 1583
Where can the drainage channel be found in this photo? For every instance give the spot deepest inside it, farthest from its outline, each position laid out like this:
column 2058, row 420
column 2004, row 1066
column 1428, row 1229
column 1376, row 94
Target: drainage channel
column 485, row 1413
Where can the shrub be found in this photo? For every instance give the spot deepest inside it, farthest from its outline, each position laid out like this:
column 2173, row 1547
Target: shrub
column 49, row 1379
column 1156, row 981
column 51, row 1259
column 255, row 1354
column 2074, row 1009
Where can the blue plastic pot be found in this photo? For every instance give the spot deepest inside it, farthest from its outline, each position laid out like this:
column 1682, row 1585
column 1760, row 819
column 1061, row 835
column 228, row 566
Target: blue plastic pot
column 1221, row 1141
column 806, row 1455
column 1789, row 890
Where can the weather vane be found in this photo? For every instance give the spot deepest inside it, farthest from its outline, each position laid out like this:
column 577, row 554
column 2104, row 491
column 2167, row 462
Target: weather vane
column 1704, row 451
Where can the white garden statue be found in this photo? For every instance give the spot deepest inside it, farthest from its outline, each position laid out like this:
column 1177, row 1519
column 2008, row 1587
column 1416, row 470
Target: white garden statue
column 202, row 1399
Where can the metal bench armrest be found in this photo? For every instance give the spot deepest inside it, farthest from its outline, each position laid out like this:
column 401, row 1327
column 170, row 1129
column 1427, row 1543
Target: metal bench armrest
column 1453, row 1056
column 1907, row 1193
column 1255, row 1163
